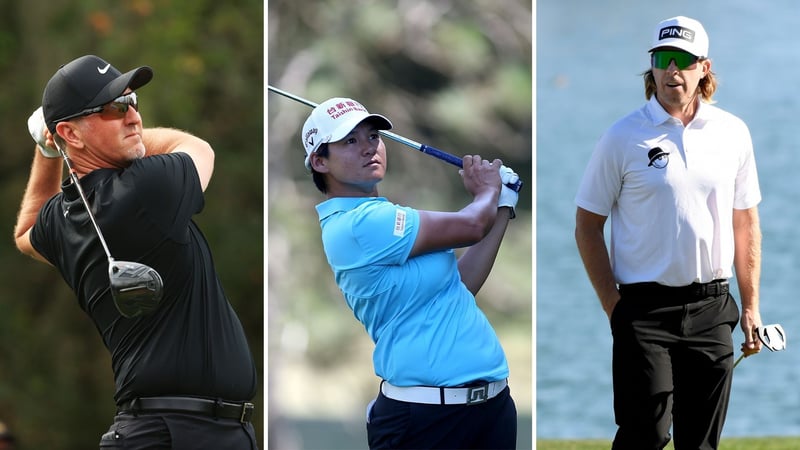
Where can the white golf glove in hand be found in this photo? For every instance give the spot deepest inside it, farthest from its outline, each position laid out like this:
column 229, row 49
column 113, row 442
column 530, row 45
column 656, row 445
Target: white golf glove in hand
column 37, row 127
column 508, row 197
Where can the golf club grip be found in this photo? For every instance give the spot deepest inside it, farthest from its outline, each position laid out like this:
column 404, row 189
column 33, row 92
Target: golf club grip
column 456, row 161
column 444, row 156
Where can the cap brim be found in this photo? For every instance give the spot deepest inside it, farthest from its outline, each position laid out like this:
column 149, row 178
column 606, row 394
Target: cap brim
column 673, row 46
column 133, row 79
column 380, row 122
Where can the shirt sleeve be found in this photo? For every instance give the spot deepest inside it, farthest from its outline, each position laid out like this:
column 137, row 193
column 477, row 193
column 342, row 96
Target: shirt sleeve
column 374, row 233
column 38, row 236
column 386, row 231
column 168, row 188
column 602, row 180
column 748, row 192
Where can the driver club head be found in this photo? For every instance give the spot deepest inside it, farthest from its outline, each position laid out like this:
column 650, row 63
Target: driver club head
column 773, row 337
column 136, row 288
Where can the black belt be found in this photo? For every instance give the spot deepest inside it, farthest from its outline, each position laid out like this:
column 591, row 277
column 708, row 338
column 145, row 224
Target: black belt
column 191, row 405
column 695, row 290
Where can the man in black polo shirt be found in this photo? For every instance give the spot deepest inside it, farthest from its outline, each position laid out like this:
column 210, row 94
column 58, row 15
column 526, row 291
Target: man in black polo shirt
column 184, row 372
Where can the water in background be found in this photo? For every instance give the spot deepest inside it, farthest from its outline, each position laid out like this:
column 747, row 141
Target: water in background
column 589, row 56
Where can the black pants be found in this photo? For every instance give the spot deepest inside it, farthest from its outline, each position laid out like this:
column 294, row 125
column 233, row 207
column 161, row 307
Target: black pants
column 672, row 363
column 394, row 424
column 177, row 432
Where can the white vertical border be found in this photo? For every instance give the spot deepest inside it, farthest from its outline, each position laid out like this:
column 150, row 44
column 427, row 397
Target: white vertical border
column 532, row 185
column 265, row 151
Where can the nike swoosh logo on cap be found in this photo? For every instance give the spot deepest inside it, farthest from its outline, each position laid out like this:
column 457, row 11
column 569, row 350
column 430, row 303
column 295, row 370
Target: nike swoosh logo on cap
column 104, row 70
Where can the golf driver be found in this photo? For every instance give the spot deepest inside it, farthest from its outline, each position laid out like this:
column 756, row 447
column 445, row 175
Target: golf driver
column 136, row 288
column 428, row 150
column 772, row 336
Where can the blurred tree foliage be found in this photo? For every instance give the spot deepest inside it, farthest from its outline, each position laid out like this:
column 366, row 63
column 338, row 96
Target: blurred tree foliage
column 56, row 383
column 456, row 75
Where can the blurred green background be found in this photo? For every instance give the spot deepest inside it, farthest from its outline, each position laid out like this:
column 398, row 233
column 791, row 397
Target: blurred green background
column 56, row 382
column 456, row 75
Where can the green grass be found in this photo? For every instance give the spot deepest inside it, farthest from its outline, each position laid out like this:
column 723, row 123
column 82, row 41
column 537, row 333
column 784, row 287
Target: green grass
column 765, row 443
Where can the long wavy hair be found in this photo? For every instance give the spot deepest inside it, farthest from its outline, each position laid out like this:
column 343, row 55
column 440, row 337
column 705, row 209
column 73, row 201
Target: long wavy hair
column 706, row 88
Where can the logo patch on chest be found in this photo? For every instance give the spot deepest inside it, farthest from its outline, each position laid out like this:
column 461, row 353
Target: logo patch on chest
column 658, row 158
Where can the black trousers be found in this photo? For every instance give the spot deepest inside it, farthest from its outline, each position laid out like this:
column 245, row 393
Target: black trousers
column 672, row 365
column 394, row 424
column 171, row 431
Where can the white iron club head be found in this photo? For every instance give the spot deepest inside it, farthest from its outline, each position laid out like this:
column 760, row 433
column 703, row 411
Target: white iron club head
column 773, row 337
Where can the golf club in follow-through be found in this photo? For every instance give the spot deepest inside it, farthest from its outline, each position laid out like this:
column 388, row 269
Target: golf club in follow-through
column 772, row 336
column 136, row 288
column 427, row 149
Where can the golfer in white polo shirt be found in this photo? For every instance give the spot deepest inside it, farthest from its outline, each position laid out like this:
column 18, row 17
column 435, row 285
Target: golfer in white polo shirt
column 678, row 179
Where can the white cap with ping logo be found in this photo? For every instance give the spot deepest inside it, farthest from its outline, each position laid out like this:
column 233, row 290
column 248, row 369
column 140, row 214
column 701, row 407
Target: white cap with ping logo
column 682, row 33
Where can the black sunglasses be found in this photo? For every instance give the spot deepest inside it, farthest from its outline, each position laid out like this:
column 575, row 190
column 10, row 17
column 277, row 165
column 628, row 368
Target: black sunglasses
column 116, row 109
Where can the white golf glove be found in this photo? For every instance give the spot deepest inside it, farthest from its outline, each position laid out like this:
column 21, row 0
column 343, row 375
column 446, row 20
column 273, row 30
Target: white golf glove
column 508, row 197
column 37, row 127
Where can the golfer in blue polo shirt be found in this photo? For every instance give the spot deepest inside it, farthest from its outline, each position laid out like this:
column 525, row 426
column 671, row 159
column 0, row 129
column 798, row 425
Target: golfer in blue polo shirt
column 443, row 370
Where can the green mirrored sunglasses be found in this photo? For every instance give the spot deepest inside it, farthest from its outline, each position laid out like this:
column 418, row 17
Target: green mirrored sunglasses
column 660, row 59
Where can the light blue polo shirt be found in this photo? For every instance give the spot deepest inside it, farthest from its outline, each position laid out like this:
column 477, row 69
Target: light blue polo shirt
column 426, row 325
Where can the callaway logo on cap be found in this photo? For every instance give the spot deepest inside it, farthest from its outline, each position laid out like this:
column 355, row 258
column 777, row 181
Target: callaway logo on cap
column 334, row 119
column 682, row 33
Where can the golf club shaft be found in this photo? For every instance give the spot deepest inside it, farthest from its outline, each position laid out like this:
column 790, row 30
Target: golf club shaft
column 74, row 177
column 427, row 149
column 738, row 360
column 135, row 288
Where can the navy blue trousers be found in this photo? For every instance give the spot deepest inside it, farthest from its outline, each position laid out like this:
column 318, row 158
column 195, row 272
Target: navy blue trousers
column 394, row 424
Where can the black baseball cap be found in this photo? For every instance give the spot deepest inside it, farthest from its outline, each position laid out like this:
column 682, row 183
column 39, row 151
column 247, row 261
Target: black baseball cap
column 87, row 82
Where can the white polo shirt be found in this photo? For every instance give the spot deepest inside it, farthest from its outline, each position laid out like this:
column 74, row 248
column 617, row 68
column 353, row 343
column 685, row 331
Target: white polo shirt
column 670, row 192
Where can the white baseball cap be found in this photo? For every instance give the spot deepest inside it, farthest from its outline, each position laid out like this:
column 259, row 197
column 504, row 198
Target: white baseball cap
column 334, row 119
column 683, row 33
